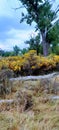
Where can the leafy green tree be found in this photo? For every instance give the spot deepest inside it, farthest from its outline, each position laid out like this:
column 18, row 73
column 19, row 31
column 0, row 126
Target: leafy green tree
column 24, row 50
column 55, row 49
column 40, row 11
column 7, row 53
column 53, row 38
column 53, row 35
column 2, row 52
column 16, row 50
column 34, row 44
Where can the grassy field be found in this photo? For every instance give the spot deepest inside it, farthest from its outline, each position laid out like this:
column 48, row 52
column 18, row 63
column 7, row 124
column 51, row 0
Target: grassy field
column 32, row 109
column 43, row 114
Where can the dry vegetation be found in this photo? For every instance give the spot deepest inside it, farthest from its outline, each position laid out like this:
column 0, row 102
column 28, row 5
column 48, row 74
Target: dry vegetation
column 43, row 115
column 32, row 109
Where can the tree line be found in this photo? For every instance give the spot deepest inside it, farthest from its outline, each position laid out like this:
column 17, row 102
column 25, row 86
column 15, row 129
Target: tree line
column 34, row 44
column 15, row 52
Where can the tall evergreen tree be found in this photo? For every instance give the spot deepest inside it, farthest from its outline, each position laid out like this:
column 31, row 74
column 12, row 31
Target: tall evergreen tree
column 40, row 11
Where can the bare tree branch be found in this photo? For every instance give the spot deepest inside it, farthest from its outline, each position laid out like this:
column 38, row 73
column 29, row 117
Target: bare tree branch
column 18, row 8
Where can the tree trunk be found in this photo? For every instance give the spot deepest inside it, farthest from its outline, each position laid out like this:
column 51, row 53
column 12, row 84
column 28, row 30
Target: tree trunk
column 45, row 45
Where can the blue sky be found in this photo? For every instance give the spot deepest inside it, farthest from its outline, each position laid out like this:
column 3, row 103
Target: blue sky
column 11, row 31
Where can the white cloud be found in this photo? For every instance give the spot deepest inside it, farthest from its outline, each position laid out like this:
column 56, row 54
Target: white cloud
column 10, row 43
column 18, row 38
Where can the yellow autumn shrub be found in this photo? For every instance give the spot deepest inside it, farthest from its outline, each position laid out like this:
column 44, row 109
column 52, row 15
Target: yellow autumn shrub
column 29, row 61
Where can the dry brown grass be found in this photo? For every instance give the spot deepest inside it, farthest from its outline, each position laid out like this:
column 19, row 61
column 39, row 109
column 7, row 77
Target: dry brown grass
column 42, row 115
